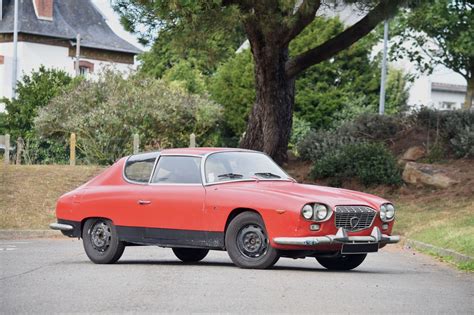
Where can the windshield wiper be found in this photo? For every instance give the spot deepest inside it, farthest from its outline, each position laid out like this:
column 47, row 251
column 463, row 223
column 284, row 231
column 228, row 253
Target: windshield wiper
column 230, row 175
column 268, row 175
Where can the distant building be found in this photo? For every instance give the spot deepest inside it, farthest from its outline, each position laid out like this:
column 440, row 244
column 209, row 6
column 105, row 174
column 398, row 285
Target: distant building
column 47, row 31
column 442, row 90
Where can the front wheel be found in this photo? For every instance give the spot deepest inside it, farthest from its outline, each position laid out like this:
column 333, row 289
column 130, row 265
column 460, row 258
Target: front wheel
column 247, row 242
column 343, row 262
column 101, row 241
column 190, row 254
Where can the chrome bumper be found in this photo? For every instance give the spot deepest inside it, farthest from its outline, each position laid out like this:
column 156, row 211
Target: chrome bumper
column 61, row 227
column 341, row 237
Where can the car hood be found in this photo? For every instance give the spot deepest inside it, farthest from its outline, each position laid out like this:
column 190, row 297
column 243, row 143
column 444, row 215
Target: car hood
column 308, row 193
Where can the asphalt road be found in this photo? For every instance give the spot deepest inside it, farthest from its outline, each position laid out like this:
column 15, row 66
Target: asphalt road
column 55, row 276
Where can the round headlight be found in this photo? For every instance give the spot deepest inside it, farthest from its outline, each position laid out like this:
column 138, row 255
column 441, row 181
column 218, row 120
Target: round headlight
column 390, row 211
column 321, row 211
column 383, row 212
column 307, row 212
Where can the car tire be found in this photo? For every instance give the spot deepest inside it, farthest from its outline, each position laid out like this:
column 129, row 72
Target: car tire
column 101, row 241
column 188, row 255
column 247, row 242
column 343, row 262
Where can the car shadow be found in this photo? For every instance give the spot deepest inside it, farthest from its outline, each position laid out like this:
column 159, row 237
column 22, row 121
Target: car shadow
column 206, row 264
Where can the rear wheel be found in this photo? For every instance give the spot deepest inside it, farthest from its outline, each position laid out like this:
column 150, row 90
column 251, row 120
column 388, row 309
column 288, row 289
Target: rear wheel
column 101, row 241
column 190, row 254
column 343, row 262
column 247, row 242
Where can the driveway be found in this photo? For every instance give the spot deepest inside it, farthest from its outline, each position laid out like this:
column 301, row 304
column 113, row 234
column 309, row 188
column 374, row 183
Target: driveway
column 55, row 276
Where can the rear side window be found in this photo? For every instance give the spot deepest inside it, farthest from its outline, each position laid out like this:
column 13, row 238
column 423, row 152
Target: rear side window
column 178, row 170
column 138, row 168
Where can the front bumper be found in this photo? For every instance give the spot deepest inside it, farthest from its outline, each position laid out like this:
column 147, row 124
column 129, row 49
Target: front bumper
column 341, row 237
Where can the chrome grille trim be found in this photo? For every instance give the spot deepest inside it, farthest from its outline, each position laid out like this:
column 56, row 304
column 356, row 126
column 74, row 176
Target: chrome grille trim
column 344, row 214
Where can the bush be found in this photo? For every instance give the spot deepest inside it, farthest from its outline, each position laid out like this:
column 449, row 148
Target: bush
column 300, row 128
column 373, row 127
column 370, row 163
column 463, row 142
column 456, row 128
column 233, row 87
column 317, row 144
column 33, row 92
column 106, row 113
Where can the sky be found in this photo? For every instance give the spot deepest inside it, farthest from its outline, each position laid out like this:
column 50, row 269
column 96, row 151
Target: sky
column 113, row 20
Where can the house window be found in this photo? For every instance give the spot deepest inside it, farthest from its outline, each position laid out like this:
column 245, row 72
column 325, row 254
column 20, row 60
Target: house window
column 85, row 67
column 84, row 71
column 447, row 105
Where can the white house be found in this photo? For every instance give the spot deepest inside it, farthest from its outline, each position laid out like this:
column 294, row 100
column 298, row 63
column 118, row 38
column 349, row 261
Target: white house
column 443, row 89
column 47, row 32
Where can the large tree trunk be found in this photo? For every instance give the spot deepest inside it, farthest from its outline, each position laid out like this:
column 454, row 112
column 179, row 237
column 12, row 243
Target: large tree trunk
column 269, row 125
column 469, row 94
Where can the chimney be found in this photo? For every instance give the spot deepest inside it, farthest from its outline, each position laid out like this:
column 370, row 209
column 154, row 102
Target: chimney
column 44, row 9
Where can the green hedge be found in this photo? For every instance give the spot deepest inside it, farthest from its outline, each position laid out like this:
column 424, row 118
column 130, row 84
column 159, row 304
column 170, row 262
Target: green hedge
column 370, row 163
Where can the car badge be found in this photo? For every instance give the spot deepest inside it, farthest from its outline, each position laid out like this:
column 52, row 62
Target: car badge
column 354, row 222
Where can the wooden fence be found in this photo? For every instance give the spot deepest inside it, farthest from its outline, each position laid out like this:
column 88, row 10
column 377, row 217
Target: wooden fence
column 20, row 147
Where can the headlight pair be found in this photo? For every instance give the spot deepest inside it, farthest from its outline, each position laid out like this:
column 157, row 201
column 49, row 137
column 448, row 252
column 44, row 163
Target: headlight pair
column 316, row 212
column 387, row 212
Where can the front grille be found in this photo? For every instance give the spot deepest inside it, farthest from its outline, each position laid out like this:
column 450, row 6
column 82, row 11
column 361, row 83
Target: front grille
column 354, row 218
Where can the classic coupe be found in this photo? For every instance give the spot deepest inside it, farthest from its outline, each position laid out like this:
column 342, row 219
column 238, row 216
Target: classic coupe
column 198, row 199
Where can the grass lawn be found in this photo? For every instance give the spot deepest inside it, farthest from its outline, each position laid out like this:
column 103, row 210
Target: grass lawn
column 28, row 193
column 446, row 223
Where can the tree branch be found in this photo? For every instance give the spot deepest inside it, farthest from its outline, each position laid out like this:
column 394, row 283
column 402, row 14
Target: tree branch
column 299, row 63
column 302, row 17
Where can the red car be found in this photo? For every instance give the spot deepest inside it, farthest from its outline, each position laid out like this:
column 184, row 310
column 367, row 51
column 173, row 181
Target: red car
column 201, row 199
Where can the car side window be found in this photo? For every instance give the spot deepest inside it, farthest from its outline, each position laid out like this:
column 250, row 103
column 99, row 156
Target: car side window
column 178, row 170
column 138, row 168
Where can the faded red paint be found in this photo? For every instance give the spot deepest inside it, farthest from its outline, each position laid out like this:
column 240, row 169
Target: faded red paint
column 207, row 208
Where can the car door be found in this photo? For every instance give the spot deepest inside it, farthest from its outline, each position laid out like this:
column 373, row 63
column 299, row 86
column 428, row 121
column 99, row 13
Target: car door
column 172, row 205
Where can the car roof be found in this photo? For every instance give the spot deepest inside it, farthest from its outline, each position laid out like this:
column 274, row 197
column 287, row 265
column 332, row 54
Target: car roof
column 200, row 151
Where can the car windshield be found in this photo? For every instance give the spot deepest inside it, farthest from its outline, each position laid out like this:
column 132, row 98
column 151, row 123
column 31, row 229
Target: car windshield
column 227, row 166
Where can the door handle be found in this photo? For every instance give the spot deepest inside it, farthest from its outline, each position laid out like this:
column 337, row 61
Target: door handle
column 144, row 202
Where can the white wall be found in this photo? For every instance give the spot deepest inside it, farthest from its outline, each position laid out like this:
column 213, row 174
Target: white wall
column 6, row 50
column 438, row 97
column 32, row 55
column 420, row 93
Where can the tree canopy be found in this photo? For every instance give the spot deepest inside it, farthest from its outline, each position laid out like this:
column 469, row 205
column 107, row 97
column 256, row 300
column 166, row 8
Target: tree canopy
column 335, row 89
column 438, row 32
column 105, row 113
column 270, row 26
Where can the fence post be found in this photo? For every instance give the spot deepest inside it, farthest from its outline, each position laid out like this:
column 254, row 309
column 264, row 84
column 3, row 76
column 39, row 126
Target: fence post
column 72, row 149
column 6, row 157
column 136, row 143
column 192, row 140
column 19, row 150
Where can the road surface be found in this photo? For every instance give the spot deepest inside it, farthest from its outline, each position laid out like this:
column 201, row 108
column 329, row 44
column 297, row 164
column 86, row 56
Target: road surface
column 55, row 276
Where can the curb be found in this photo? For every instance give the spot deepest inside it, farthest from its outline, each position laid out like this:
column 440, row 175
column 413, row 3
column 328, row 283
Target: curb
column 25, row 234
column 457, row 257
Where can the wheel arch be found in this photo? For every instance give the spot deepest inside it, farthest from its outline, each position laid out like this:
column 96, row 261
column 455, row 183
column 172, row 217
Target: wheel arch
column 83, row 221
column 236, row 212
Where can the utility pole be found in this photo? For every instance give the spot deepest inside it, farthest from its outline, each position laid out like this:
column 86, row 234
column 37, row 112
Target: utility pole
column 15, row 49
column 384, row 69
column 78, row 54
